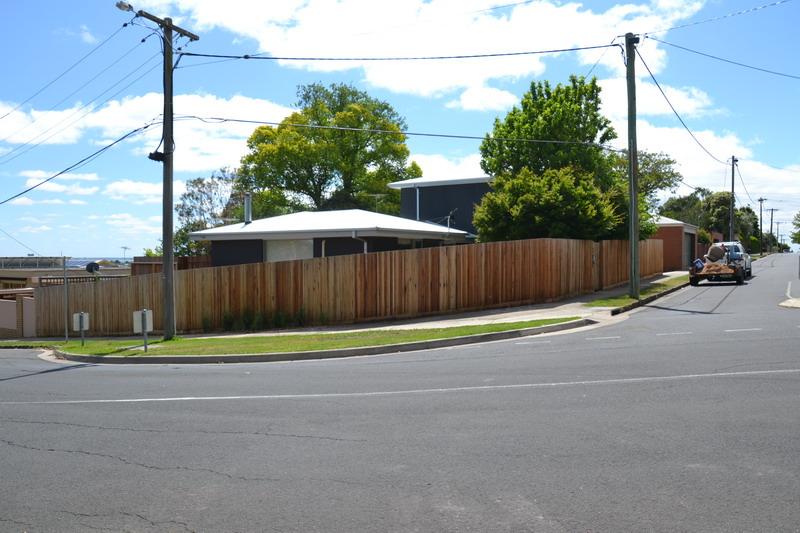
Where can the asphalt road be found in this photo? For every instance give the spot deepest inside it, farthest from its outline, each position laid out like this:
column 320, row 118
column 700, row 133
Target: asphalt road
column 682, row 416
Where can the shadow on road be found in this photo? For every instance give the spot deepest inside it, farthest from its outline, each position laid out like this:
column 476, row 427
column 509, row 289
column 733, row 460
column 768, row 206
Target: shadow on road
column 59, row 369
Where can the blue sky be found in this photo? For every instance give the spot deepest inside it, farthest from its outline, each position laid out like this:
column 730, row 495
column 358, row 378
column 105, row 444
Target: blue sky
column 114, row 201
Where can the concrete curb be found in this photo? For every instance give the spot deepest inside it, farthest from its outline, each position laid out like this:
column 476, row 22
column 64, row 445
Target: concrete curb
column 326, row 354
column 645, row 301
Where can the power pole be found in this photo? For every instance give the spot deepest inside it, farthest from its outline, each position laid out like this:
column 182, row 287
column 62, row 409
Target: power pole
column 168, row 272
column 761, row 224
column 771, row 212
column 778, row 234
column 733, row 196
column 633, row 166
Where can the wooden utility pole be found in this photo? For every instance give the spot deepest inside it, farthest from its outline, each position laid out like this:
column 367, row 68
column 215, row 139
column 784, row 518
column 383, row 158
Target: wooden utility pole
column 633, row 166
column 771, row 212
column 733, row 196
column 168, row 268
column 761, row 224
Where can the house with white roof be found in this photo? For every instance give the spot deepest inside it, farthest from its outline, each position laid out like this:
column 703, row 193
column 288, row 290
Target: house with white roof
column 310, row 234
column 447, row 201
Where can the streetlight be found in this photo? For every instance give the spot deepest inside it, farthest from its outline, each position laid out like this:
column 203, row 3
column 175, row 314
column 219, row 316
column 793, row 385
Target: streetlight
column 166, row 158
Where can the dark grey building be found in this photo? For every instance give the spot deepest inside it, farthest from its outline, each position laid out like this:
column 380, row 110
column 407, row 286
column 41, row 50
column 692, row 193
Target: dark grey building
column 442, row 201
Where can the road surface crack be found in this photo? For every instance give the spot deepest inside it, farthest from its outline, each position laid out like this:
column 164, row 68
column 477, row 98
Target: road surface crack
column 135, row 463
column 267, row 433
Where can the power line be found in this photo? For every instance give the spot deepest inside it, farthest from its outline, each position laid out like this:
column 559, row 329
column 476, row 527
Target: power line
column 86, row 160
column 214, row 120
column 407, row 58
column 676, row 112
column 760, row 69
column 743, row 185
column 722, row 17
column 18, row 241
column 5, row 159
column 78, row 62
column 70, row 95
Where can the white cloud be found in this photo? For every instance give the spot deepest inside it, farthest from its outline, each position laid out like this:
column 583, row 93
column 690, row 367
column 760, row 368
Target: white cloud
column 484, row 99
column 127, row 224
column 437, row 166
column 86, row 35
column 39, row 127
column 200, row 146
column 22, row 200
column 141, row 192
column 67, row 176
column 441, row 27
column 688, row 101
column 35, row 229
column 77, row 202
column 52, row 186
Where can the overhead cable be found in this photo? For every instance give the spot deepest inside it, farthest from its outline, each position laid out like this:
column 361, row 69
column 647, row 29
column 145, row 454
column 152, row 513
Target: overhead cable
column 28, row 146
column 211, row 120
column 19, row 241
column 70, row 95
column 82, row 162
column 743, row 185
column 78, row 62
column 712, row 156
column 721, row 17
column 775, row 72
column 406, row 58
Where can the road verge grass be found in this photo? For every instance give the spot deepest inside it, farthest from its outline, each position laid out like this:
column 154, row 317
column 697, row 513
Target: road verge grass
column 256, row 344
column 654, row 288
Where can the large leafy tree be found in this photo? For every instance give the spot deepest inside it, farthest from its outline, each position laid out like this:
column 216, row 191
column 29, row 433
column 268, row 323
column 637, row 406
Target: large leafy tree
column 795, row 236
column 567, row 114
column 333, row 153
column 687, row 208
column 563, row 202
column 657, row 172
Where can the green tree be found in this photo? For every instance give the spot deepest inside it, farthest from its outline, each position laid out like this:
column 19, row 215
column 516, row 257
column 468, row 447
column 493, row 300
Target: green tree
column 687, row 208
column 657, row 173
column 563, row 203
column 326, row 168
column 795, row 236
column 566, row 113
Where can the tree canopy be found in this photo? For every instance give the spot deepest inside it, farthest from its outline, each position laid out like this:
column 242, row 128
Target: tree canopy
column 563, row 203
column 338, row 151
column 567, row 114
column 795, row 236
column 562, row 127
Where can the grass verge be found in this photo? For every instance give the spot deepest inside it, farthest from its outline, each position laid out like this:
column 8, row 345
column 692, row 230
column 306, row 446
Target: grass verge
column 654, row 288
column 276, row 343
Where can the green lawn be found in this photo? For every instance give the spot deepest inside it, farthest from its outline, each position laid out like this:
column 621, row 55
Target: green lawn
column 655, row 288
column 276, row 343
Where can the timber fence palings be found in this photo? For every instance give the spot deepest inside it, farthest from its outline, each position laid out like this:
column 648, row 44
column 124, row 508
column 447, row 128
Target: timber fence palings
column 356, row 288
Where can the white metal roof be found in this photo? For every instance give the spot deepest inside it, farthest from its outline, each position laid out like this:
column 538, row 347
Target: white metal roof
column 329, row 224
column 434, row 182
column 666, row 221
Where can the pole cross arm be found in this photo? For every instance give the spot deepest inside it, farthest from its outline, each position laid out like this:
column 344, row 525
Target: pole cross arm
column 167, row 22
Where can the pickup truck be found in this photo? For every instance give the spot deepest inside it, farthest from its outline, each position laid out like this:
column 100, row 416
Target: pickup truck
column 724, row 261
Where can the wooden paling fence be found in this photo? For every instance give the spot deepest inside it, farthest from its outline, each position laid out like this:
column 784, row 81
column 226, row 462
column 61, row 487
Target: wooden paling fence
column 355, row 288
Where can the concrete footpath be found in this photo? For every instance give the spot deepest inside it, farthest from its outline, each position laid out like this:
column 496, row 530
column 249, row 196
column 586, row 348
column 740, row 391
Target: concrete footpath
column 575, row 307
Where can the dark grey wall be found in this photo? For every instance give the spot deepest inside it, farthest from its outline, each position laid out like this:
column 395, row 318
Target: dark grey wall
column 346, row 245
column 436, row 202
column 224, row 253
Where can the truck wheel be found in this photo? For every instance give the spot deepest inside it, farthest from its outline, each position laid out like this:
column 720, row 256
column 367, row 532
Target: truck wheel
column 740, row 277
column 693, row 281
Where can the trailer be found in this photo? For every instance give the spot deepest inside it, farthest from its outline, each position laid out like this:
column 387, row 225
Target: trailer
column 719, row 265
